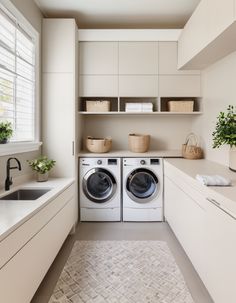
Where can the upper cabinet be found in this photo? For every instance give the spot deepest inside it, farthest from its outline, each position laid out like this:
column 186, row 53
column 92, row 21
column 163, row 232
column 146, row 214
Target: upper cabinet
column 138, row 58
column 168, row 60
column 59, row 45
column 98, row 58
column 208, row 35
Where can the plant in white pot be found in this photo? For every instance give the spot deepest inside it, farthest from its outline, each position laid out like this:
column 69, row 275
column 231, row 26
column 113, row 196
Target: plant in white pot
column 42, row 166
column 6, row 132
column 225, row 133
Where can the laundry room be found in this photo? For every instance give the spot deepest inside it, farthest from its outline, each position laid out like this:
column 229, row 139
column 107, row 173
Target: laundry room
column 117, row 151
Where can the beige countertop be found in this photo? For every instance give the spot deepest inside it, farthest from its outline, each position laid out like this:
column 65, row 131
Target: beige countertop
column 226, row 195
column 15, row 213
column 129, row 154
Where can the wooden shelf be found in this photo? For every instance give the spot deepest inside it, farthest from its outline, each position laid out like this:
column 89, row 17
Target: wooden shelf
column 141, row 113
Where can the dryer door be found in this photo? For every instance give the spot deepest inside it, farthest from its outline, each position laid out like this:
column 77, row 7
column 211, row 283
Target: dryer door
column 142, row 185
column 99, row 185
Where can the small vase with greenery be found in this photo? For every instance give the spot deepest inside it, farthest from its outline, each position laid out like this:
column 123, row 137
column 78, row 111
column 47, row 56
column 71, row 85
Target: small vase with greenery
column 6, row 132
column 225, row 133
column 42, row 166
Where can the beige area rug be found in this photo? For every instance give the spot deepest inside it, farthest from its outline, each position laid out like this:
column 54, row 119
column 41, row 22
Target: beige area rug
column 121, row 272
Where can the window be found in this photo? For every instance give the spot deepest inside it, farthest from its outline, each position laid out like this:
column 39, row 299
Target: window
column 17, row 77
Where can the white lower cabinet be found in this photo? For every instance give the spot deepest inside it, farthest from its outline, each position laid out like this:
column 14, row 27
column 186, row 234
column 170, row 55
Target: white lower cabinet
column 206, row 233
column 23, row 272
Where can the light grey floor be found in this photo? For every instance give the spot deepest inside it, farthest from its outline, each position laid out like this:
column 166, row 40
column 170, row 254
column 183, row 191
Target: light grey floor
column 124, row 231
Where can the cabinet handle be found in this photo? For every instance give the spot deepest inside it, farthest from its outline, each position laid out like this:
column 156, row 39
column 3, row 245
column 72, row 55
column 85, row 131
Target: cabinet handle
column 213, row 201
column 73, row 148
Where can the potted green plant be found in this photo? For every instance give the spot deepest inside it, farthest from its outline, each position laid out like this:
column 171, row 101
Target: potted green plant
column 225, row 133
column 6, row 132
column 42, row 166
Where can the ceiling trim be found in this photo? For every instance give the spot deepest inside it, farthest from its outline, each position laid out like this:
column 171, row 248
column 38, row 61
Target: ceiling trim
column 129, row 34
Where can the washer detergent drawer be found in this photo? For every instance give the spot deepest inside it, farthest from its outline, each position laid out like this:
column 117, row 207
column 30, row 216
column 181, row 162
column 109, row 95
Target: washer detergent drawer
column 100, row 214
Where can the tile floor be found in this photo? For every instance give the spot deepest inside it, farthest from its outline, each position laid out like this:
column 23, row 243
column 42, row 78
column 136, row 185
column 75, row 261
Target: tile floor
column 124, row 231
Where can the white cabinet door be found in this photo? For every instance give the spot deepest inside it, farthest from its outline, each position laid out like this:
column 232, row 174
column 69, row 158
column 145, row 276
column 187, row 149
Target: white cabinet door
column 187, row 218
column 220, row 254
column 58, row 45
column 138, row 58
column 98, row 58
column 59, row 122
column 98, row 86
column 21, row 276
column 179, row 86
column 138, row 86
column 168, row 61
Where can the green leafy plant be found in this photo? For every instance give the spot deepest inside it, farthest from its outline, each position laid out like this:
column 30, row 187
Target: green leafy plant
column 42, row 164
column 6, row 131
column 225, row 131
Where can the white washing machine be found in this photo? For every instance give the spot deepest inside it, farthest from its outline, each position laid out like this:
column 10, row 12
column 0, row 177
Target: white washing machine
column 100, row 189
column 142, row 189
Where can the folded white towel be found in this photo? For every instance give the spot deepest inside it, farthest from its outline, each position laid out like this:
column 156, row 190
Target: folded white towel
column 147, row 105
column 213, row 180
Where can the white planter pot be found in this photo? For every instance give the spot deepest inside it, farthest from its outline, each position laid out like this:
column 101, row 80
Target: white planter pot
column 232, row 158
column 42, row 177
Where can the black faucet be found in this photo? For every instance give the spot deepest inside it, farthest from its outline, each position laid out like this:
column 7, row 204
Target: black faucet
column 8, row 181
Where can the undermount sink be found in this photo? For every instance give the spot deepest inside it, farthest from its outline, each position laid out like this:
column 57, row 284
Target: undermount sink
column 25, row 194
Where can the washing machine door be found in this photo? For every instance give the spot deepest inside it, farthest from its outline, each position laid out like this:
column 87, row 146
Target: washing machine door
column 99, row 185
column 142, row 185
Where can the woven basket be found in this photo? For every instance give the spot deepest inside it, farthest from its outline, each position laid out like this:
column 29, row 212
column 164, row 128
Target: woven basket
column 98, row 145
column 191, row 149
column 180, row 106
column 98, row 106
column 139, row 143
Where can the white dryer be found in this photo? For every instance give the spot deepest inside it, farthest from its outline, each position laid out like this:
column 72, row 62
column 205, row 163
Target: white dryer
column 100, row 189
column 142, row 189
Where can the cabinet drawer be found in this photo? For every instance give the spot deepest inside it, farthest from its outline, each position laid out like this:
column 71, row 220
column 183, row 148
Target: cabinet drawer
column 25, row 271
column 138, row 86
column 179, row 86
column 98, row 86
column 98, row 58
column 17, row 239
column 138, row 58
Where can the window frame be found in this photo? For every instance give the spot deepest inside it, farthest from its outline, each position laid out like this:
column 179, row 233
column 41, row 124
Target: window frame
column 26, row 146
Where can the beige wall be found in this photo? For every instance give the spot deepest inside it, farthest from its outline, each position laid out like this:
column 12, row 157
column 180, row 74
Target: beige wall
column 219, row 90
column 32, row 13
column 167, row 132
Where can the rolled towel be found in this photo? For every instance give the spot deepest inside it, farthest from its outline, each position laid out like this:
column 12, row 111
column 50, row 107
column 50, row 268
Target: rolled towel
column 213, row 180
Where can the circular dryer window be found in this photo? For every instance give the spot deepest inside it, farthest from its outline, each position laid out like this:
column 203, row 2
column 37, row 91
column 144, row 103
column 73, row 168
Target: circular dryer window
column 99, row 185
column 142, row 185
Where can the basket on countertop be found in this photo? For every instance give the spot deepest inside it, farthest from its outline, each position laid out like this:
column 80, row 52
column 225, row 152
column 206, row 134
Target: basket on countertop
column 184, row 106
column 98, row 145
column 191, row 149
column 139, row 143
column 98, row 106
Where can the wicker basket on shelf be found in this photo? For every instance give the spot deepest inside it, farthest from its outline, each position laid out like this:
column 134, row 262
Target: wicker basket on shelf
column 139, row 143
column 181, row 106
column 98, row 145
column 98, row 106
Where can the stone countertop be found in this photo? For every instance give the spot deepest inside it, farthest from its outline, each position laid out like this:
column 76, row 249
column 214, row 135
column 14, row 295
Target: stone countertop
column 225, row 195
column 129, row 154
column 15, row 213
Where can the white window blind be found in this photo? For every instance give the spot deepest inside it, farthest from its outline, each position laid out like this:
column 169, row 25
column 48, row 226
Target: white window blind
column 17, row 78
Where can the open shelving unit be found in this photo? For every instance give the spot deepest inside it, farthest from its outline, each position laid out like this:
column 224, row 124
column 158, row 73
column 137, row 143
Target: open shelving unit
column 159, row 105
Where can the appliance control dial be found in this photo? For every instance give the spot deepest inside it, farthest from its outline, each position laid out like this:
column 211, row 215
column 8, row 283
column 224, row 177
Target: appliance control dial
column 142, row 162
column 99, row 162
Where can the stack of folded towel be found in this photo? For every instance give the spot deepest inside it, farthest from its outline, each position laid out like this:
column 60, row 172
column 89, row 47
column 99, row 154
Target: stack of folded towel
column 139, row 107
column 213, row 180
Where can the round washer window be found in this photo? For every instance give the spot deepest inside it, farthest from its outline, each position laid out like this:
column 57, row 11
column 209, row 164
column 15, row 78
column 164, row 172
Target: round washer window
column 99, row 185
column 142, row 185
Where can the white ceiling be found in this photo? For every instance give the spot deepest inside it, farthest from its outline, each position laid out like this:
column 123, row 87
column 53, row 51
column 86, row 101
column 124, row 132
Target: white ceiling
column 121, row 13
